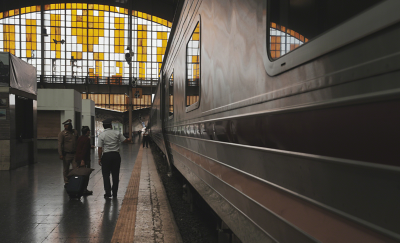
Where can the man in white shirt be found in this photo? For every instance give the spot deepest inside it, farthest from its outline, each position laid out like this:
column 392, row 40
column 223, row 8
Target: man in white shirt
column 109, row 158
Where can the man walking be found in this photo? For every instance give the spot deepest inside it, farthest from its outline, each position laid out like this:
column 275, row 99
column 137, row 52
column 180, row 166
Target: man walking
column 67, row 147
column 109, row 157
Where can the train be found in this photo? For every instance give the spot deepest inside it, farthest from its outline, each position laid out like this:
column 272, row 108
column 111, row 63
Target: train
column 284, row 116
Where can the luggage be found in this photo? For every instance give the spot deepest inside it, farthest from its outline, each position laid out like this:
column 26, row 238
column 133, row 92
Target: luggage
column 76, row 186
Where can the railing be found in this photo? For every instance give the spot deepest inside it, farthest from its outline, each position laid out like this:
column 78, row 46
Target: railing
column 57, row 79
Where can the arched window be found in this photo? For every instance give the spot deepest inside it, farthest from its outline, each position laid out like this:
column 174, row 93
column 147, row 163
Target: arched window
column 85, row 40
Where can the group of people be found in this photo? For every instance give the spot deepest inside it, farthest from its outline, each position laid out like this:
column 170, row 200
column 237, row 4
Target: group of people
column 76, row 152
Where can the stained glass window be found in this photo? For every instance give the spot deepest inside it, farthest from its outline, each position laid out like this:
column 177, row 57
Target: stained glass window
column 85, row 40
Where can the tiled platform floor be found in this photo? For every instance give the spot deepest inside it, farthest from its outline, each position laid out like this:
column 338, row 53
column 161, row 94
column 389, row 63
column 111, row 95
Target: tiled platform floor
column 34, row 206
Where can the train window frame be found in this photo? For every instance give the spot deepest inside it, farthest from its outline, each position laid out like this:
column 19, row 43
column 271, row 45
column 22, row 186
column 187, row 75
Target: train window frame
column 370, row 21
column 169, row 93
column 195, row 105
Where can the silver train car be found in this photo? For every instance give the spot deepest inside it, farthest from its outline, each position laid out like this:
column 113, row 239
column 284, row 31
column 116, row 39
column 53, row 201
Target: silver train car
column 284, row 116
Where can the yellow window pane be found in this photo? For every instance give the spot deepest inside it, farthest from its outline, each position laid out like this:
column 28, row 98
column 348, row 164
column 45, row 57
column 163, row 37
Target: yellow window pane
column 164, row 43
column 164, row 35
column 101, row 56
column 29, row 45
column 101, row 32
column 96, row 40
column 28, row 53
column 79, row 31
column 139, row 57
column 79, row 55
column 69, row 6
column 96, row 56
column 140, row 34
column 79, row 6
column 160, row 50
column 79, row 24
column 84, row 48
column 90, row 48
column 91, row 42
column 53, row 46
column 91, row 32
column 159, row 58
column 73, row 30
column 144, row 43
column 79, row 40
column 91, row 25
column 195, row 37
column 34, row 37
column 73, row 54
column 58, row 54
column 116, row 41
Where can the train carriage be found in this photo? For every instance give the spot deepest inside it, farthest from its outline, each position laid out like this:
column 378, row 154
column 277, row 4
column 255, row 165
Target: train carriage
column 283, row 115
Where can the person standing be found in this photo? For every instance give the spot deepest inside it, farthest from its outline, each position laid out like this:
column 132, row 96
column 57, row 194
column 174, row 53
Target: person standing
column 67, row 147
column 109, row 158
column 82, row 156
column 146, row 137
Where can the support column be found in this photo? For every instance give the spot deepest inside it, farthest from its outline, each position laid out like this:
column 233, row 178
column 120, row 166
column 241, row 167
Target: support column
column 130, row 69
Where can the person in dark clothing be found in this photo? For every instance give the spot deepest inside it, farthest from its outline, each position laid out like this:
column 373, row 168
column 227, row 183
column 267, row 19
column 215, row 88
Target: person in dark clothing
column 109, row 157
column 82, row 156
column 146, row 138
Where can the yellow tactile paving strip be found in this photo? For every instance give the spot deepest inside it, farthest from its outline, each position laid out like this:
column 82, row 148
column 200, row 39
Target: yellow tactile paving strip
column 125, row 228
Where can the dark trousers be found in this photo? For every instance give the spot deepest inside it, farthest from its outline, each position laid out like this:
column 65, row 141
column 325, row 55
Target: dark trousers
column 146, row 140
column 111, row 162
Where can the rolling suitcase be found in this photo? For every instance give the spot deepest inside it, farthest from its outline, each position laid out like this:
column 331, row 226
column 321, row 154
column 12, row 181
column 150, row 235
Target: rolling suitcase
column 76, row 186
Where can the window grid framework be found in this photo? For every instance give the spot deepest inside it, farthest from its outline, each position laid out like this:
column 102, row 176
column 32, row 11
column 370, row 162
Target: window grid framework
column 95, row 39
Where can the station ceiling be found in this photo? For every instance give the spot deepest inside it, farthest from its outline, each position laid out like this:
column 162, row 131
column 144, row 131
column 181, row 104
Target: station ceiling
column 164, row 9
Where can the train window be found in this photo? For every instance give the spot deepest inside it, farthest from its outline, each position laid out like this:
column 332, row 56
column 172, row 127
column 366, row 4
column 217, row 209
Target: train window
column 293, row 23
column 193, row 69
column 171, row 95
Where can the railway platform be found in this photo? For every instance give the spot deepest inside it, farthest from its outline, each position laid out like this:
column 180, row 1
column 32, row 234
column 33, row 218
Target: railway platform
column 34, row 206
